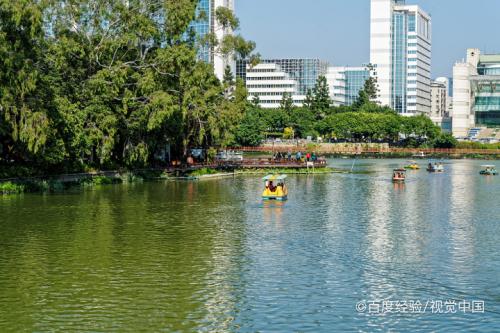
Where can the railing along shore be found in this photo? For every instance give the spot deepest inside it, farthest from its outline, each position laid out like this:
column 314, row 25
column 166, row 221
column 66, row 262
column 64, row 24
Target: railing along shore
column 369, row 150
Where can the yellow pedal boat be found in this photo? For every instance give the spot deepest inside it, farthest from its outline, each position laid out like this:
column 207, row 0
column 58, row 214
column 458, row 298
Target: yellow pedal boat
column 412, row 165
column 276, row 188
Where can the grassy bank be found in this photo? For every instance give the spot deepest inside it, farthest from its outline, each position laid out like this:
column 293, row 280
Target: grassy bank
column 53, row 185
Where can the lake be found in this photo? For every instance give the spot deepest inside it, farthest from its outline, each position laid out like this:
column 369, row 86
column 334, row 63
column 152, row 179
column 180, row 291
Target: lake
column 346, row 252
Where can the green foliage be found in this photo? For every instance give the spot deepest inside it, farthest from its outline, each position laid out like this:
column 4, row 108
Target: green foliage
column 111, row 83
column 477, row 145
column 286, row 103
column 362, row 126
column 371, row 84
column 321, row 101
column 444, row 140
column 308, row 102
column 252, row 128
column 11, row 188
column 228, row 77
column 203, row 172
column 288, row 133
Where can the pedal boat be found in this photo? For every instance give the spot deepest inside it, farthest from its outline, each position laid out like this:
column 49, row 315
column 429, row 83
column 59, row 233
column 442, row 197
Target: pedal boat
column 488, row 170
column 275, row 188
column 399, row 175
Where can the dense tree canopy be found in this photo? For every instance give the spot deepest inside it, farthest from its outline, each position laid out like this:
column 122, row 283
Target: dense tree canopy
column 102, row 83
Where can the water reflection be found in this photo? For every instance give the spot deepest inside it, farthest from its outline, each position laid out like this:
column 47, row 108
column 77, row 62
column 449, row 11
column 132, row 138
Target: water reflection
column 212, row 257
column 273, row 212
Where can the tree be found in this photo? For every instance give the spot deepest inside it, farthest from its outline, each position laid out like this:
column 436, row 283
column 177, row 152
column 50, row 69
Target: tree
column 309, row 101
column 251, row 130
column 256, row 101
column 445, row 140
column 369, row 94
column 288, row 133
column 371, row 84
column 25, row 119
column 321, row 98
column 228, row 78
column 286, row 102
column 110, row 83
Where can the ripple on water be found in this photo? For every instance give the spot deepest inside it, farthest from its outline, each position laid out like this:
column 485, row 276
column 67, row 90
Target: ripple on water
column 211, row 257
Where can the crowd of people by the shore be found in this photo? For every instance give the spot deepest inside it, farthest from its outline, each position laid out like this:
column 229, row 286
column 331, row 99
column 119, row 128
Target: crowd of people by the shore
column 298, row 157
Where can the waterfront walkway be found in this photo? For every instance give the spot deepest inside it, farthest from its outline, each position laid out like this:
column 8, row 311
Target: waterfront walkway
column 358, row 150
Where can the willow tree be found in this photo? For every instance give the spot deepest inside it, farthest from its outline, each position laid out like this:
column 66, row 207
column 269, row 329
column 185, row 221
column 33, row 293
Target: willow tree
column 25, row 125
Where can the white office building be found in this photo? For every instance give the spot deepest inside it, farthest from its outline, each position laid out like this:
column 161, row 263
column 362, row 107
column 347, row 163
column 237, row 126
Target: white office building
column 271, row 78
column 400, row 50
column 269, row 83
column 439, row 105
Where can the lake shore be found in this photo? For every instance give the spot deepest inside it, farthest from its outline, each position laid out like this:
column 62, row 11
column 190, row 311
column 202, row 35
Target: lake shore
column 60, row 183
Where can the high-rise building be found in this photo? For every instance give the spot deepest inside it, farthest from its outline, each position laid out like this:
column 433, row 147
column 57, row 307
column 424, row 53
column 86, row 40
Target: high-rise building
column 206, row 24
column 476, row 93
column 345, row 83
column 439, row 107
column 400, row 51
column 273, row 77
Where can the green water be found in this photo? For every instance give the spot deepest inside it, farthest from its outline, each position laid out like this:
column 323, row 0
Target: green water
column 209, row 256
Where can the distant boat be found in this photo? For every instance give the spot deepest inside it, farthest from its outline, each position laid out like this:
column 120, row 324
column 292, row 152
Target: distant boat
column 412, row 165
column 488, row 170
column 419, row 155
column 435, row 167
column 399, row 175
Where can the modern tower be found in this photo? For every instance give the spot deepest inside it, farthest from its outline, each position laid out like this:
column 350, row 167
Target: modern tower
column 208, row 24
column 400, row 50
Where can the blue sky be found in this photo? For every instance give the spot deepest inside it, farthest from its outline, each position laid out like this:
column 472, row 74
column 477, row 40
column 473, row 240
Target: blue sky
column 339, row 30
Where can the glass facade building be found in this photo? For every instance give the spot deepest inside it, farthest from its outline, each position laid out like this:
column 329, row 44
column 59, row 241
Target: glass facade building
column 203, row 26
column 206, row 23
column 399, row 61
column 355, row 81
column 486, row 88
column 345, row 83
column 304, row 71
column 476, row 93
column 400, row 51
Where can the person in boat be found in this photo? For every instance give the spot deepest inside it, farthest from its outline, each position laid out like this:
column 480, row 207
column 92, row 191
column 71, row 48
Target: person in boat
column 430, row 166
column 272, row 188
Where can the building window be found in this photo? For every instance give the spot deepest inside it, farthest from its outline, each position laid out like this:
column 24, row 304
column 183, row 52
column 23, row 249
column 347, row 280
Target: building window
column 411, row 23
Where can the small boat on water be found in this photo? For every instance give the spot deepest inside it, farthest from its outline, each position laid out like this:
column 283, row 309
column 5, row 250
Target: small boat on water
column 412, row 165
column 435, row 167
column 419, row 155
column 275, row 188
column 488, row 170
column 399, row 175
